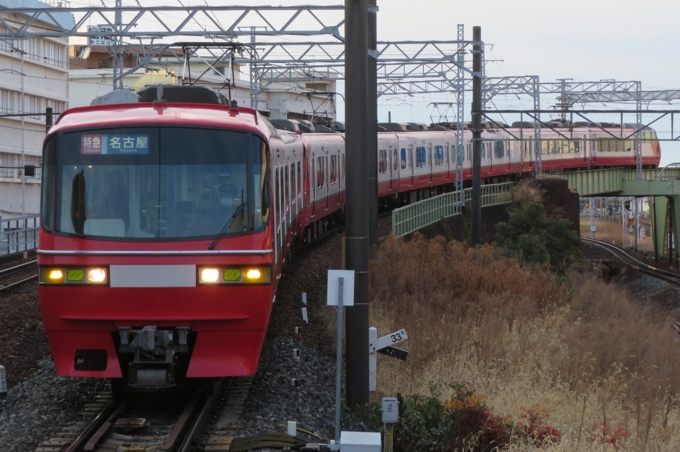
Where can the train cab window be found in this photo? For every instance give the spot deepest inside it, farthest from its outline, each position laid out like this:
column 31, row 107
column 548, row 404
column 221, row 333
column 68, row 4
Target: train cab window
column 403, row 158
column 156, row 183
column 395, row 161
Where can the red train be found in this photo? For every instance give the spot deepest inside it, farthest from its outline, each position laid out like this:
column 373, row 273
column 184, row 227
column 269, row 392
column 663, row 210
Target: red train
column 165, row 225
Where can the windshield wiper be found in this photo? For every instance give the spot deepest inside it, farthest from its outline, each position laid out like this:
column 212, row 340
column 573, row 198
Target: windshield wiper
column 238, row 210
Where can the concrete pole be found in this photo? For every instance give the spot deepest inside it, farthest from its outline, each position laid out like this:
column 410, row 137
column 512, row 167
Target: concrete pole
column 476, row 135
column 356, row 98
column 372, row 100
column 23, row 145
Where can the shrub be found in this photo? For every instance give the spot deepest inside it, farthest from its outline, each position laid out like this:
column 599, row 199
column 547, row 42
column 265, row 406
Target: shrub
column 533, row 237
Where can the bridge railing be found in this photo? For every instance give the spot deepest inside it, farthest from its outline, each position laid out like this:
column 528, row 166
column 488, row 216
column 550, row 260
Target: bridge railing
column 18, row 234
column 423, row 213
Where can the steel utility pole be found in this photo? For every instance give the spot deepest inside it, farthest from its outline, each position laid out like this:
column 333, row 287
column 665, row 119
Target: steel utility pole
column 372, row 122
column 356, row 187
column 477, row 49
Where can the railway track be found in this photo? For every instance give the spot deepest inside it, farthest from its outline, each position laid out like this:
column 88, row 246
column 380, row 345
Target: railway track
column 13, row 277
column 162, row 421
column 618, row 253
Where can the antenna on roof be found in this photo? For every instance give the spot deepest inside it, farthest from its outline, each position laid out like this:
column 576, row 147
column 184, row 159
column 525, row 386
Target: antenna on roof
column 159, row 93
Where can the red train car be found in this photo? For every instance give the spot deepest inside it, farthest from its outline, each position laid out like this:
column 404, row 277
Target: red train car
column 158, row 244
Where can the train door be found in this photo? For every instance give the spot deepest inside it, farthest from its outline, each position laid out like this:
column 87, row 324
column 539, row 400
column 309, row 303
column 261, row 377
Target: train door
column 583, row 148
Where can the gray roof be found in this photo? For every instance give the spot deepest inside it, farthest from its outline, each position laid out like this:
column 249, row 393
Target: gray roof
column 64, row 19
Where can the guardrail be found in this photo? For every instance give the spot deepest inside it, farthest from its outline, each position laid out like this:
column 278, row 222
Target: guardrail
column 18, row 234
column 423, row 213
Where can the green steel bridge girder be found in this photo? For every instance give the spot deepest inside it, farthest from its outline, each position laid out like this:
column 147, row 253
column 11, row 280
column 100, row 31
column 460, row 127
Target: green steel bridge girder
column 662, row 187
column 622, row 182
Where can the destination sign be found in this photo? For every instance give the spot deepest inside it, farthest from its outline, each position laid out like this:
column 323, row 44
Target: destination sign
column 92, row 143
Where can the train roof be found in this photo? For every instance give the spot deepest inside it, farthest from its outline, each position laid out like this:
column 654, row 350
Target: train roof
column 161, row 113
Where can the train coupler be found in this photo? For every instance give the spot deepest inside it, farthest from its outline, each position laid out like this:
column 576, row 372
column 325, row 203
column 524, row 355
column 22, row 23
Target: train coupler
column 155, row 350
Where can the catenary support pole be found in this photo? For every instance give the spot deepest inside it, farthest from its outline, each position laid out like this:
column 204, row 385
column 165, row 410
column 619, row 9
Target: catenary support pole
column 372, row 87
column 356, row 223
column 476, row 135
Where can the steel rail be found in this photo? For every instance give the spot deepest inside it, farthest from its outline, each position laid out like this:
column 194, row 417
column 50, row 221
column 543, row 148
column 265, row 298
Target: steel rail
column 9, row 270
column 18, row 283
column 670, row 277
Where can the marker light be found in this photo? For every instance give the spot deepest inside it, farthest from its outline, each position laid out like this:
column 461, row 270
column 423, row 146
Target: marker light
column 209, row 275
column 253, row 274
column 96, row 275
column 56, row 275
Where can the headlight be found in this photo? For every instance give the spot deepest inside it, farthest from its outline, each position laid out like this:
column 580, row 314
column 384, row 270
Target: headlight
column 209, row 275
column 69, row 276
column 96, row 275
column 248, row 275
column 253, row 274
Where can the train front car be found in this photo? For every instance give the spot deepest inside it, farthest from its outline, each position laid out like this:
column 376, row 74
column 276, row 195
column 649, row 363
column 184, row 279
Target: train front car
column 155, row 258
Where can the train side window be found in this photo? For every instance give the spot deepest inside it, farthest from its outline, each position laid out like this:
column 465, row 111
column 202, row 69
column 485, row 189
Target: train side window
column 334, row 169
column 403, row 158
column 343, row 168
column 287, row 187
column 382, row 161
column 278, row 190
column 395, row 160
column 420, row 157
column 319, row 172
column 498, row 151
column 293, row 183
column 299, row 177
column 312, row 184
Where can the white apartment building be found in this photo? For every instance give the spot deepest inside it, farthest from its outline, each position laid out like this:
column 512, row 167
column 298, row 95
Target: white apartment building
column 91, row 76
column 33, row 76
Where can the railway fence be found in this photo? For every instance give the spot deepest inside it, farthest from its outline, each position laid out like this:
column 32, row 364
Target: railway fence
column 412, row 217
column 18, row 234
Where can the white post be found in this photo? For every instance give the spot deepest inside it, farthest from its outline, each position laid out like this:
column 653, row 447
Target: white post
column 338, row 362
column 372, row 360
column 23, row 151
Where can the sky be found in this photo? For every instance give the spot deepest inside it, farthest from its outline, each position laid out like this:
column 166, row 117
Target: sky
column 582, row 40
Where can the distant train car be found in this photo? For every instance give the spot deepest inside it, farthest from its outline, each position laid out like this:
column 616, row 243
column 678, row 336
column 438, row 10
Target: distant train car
column 165, row 224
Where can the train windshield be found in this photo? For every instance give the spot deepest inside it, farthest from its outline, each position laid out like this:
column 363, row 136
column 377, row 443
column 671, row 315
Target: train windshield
column 154, row 183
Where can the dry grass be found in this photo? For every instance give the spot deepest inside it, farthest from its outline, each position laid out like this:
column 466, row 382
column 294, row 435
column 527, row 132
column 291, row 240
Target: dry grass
column 601, row 364
column 527, row 191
